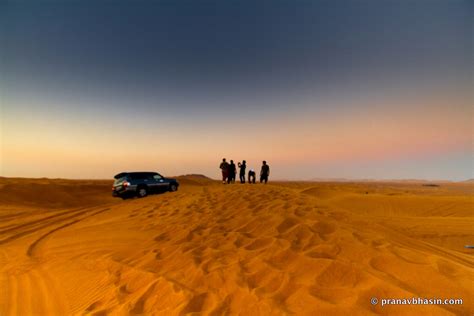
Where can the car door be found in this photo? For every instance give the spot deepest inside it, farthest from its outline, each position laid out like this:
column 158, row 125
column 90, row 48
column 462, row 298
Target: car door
column 152, row 184
column 160, row 182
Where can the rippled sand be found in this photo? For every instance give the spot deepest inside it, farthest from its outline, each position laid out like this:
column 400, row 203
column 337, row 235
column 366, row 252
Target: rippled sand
column 67, row 247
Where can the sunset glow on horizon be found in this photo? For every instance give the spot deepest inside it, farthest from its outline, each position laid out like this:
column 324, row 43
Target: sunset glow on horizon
column 318, row 90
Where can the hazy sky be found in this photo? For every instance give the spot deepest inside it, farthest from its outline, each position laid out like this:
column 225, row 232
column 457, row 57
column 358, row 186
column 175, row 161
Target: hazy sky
column 343, row 89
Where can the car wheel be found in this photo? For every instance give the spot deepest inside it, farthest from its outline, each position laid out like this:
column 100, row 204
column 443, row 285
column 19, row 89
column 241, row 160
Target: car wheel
column 173, row 187
column 142, row 192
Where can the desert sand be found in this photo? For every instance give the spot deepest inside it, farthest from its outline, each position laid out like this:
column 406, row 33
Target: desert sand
column 68, row 248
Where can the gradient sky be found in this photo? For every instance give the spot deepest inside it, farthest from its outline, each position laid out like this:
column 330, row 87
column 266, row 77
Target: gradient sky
column 319, row 89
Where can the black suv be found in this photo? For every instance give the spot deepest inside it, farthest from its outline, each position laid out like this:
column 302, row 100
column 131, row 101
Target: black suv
column 141, row 184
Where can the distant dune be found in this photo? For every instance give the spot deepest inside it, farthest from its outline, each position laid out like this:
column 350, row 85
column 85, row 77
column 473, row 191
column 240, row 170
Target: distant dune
column 54, row 193
column 195, row 176
column 378, row 180
column 68, row 248
column 194, row 179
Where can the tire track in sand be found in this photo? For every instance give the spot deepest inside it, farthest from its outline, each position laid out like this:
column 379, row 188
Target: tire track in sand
column 31, row 249
column 32, row 227
column 34, row 292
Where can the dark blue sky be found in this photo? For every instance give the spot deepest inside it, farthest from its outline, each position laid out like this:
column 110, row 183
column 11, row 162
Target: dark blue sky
column 211, row 49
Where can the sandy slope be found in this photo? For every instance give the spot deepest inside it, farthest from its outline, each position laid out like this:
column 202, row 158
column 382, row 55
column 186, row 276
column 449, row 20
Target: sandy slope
column 287, row 248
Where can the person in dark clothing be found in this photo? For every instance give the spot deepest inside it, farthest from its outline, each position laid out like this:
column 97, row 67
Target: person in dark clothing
column 264, row 172
column 251, row 176
column 225, row 170
column 242, row 167
column 232, row 172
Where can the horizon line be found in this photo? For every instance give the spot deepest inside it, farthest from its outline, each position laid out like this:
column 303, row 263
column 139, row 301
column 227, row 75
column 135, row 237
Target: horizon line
column 273, row 180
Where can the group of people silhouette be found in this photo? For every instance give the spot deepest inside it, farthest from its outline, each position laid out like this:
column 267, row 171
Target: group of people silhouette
column 229, row 171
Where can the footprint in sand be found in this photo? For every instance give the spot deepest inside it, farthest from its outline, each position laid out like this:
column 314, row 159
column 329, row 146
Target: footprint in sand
column 162, row 237
column 93, row 306
column 123, row 289
column 300, row 212
column 339, row 275
column 324, row 252
column 287, row 224
column 223, row 220
column 259, row 243
column 138, row 307
column 324, row 229
column 223, row 307
column 195, row 304
column 380, row 243
column 240, row 241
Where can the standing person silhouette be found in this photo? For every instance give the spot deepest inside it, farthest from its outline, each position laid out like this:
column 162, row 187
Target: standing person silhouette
column 232, row 172
column 264, row 172
column 251, row 176
column 242, row 167
column 225, row 170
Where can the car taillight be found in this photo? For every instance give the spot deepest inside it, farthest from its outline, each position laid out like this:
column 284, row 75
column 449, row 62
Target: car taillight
column 125, row 184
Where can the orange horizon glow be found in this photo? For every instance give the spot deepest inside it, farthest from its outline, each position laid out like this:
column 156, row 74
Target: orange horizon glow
column 38, row 147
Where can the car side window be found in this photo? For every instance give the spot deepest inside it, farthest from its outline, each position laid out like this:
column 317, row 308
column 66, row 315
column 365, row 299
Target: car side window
column 140, row 176
column 157, row 177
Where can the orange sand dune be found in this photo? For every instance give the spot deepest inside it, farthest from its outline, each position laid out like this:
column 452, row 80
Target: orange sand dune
column 68, row 248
